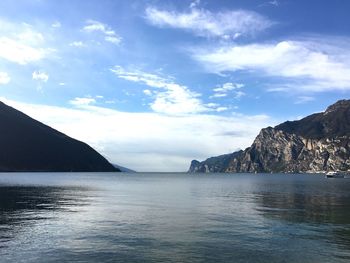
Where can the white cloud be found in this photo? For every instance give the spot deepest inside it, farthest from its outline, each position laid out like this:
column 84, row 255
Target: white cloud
column 318, row 66
column 40, row 76
column 113, row 39
column 222, row 91
column 82, row 101
column 239, row 94
column 150, row 141
column 205, row 23
column 147, row 92
column 95, row 26
column 195, row 3
column 30, row 36
column 56, row 24
column 228, row 86
column 21, row 43
column 109, row 34
column 172, row 98
column 62, row 84
column 220, row 109
column 76, row 44
column 218, row 95
column 15, row 51
column 4, row 78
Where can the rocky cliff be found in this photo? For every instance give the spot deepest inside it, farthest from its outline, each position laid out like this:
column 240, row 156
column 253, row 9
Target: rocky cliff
column 319, row 142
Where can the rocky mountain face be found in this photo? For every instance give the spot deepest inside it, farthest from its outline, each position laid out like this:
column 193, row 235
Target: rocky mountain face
column 27, row 145
column 319, row 142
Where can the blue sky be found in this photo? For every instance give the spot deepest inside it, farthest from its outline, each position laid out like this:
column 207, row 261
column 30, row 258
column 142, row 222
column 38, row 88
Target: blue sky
column 155, row 84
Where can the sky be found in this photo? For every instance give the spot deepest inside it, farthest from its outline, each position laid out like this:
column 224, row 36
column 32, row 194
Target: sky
column 153, row 84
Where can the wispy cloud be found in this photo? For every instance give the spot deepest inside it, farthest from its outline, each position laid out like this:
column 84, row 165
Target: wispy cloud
column 239, row 94
column 56, row 24
column 226, row 88
column 304, row 99
column 82, row 101
column 40, row 76
column 109, row 34
column 228, row 24
column 195, row 3
column 319, row 66
column 4, row 78
column 170, row 98
column 149, row 141
column 274, row 3
column 220, row 109
column 76, row 44
column 218, row 95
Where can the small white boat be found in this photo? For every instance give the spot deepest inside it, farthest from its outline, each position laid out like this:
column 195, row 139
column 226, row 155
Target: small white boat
column 334, row 175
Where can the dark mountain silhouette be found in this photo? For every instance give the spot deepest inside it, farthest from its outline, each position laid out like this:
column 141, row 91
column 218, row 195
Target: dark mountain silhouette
column 28, row 145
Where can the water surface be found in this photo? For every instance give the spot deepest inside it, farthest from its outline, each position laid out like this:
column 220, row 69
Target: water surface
column 118, row 217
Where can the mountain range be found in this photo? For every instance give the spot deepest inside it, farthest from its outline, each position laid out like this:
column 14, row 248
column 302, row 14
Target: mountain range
column 317, row 143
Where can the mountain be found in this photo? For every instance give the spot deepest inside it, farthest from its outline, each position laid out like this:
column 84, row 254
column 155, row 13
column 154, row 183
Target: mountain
column 216, row 164
column 317, row 143
column 28, row 145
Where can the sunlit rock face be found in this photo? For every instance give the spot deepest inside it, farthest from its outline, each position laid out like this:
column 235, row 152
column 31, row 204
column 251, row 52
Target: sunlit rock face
column 319, row 142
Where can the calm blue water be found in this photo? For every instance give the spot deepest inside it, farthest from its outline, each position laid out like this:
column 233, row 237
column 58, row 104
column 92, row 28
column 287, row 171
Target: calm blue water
column 173, row 218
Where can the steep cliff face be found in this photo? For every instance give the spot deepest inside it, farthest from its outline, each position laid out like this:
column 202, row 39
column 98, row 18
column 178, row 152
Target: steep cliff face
column 217, row 164
column 319, row 142
column 277, row 151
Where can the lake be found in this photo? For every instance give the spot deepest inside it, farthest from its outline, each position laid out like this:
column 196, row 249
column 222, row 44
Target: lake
column 164, row 217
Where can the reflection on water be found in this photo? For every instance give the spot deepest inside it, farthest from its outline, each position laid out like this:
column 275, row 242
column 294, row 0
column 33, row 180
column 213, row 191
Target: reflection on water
column 22, row 206
column 173, row 218
column 310, row 202
column 321, row 208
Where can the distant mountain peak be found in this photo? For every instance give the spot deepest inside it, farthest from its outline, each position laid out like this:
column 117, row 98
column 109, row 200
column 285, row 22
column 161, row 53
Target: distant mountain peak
column 335, row 121
column 340, row 104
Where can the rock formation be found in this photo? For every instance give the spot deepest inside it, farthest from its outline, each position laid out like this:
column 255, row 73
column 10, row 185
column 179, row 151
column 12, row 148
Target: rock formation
column 317, row 143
